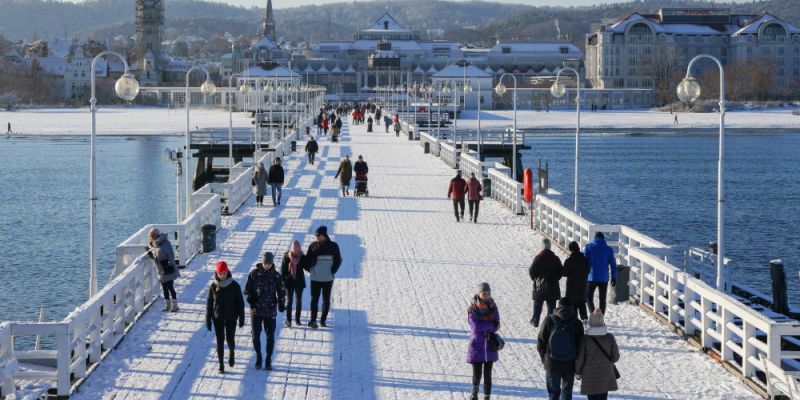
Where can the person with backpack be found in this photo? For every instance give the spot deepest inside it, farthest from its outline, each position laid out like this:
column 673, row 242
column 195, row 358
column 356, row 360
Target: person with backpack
column 324, row 260
column 484, row 320
column 264, row 292
column 558, row 344
column 224, row 307
column 312, row 147
column 576, row 270
column 600, row 257
column 456, row 191
column 275, row 180
column 160, row 250
column 596, row 358
column 545, row 272
column 474, row 197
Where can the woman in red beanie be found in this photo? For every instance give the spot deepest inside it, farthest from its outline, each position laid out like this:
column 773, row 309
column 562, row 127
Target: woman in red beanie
column 224, row 307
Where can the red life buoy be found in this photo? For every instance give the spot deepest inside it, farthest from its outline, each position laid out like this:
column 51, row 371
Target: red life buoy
column 527, row 184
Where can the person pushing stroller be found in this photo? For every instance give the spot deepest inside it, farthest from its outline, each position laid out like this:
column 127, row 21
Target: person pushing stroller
column 361, row 169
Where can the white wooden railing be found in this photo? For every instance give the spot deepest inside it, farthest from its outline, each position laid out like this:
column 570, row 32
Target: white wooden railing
column 506, row 190
column 450, row 154
column 470, row 164
column 433, row 143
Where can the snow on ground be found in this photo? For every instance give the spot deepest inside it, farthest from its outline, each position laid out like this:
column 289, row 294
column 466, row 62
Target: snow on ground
column 116, row 120
column 399, row 327
column 632, row 119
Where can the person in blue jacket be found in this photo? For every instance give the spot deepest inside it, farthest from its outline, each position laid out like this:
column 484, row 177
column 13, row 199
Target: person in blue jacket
column 601, row 257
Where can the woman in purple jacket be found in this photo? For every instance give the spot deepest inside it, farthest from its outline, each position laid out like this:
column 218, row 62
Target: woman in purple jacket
column 484, row 319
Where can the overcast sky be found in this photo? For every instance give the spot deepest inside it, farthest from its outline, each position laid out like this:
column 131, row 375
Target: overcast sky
column 294, row 3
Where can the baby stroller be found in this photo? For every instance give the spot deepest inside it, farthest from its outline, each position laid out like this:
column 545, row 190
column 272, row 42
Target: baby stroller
column 361, row 185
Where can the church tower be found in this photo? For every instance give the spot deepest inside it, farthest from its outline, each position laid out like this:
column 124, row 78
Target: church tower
column 149, row 28
column 268, row 26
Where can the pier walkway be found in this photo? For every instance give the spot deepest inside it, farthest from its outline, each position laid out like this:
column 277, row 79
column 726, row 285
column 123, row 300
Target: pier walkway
column 399, row 328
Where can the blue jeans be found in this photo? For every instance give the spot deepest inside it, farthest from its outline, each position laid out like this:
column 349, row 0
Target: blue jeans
column 276, row 187
column 537, row 309
column 559, row 386
column 268, row 325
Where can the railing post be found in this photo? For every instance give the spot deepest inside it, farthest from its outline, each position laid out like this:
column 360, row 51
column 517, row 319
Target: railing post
column 748, row 331
column 725, row 351
column 707, row 339
column 79, row 343
column 64, row 360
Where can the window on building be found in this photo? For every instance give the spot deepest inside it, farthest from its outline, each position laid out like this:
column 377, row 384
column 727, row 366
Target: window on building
column 563, row 50
column 631, row 71
column 774, row 33
column 149, row 46
column 506, row 50
column 83, row 74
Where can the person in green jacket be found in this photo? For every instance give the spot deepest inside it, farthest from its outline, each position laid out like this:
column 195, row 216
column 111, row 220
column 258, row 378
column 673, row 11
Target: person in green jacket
column 345, row 174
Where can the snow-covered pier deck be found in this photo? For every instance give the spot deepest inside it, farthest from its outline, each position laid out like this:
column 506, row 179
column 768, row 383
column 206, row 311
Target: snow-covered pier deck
column 399, row 327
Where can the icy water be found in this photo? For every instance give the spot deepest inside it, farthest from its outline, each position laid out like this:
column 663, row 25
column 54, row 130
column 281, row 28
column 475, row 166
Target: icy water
column 44, row 217
column 665, row 186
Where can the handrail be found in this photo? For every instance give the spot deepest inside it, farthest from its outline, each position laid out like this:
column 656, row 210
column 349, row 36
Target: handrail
column 450, row 154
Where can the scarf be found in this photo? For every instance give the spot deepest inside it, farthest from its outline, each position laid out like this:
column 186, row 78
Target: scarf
column 223, row 283
column 480, row 310
column 294, row 258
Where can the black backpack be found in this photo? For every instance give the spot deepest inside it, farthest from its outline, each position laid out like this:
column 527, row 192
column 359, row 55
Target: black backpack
column 561, row 346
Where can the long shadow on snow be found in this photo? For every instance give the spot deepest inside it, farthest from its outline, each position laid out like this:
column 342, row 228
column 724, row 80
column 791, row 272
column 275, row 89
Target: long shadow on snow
column 353, row 362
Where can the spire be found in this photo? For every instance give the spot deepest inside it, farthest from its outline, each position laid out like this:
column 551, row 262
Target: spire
column 268, row 26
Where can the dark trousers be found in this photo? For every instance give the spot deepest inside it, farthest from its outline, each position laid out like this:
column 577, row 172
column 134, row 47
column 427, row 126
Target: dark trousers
column 277, row 190
column 581, row 307
column 602, row 289
column 259, row 199
column 268, row 325
column 484, row 369
column 169, row 290
column 311, row 157
column 537, row 309
column 603, row 396
column 316, row 288
column 559, row 386
column 474, row 205
column 456, row 205
column 297, row 296
column 225, row 332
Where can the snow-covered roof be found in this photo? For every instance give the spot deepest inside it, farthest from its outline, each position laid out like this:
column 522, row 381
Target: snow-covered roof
column 384, row 24
column 265, row 41
column 336, row 70
column 269, row 70
column 350, row 68
column 458, row 71
column 418, row 70
column 621, row 25
column 12, row 53
column 488, row 70
column 754, row 26
column 51, row 65
column 322, row 68
column 432, row 69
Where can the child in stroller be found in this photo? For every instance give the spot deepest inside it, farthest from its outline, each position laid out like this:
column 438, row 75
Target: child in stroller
column 361, row 184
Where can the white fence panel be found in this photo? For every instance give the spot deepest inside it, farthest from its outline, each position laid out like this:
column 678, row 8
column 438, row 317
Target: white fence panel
column 470, row 164
column 506, row 190
column 449, row 154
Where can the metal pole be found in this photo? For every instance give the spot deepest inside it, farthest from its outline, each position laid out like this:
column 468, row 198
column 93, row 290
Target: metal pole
column 187, row 148
column 514, row 140
column 479, row 117
column 230, row 130
column 178, row 172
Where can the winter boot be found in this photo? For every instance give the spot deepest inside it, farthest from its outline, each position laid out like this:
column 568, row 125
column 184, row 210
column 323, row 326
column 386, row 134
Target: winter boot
column 288, row 323
column 167, row 305
column 474, row 395
column 312, row 324
column 258, row 361
column 268, row 365
column 231, row 357
column 486, row 397
column 174, row 306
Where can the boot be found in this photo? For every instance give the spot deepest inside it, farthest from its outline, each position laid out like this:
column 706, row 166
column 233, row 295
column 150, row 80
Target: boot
column 297, row 322
column 474, row 395
column 258, row 361
column 221, row 363
column 231, row 358
column 174, row 306
column 268, row 365
column 288, row 322
column 486, row 397
column 167, row 305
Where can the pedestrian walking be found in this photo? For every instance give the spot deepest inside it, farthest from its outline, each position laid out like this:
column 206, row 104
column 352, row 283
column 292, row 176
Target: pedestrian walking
column 545, row 272
column 474, row 196
column 260, row 178
column 160, row 250
column 275, row 180
column 600, row 257
column 9, row 131
column 484, row 320
column 312, row 147
column 387, row 122
column 596, row 358
column 456, row 191
column 558, row 344
column 576, row 269
column 360, row 167
column 676, row 120
column 397, row 128
column 345, row 174
column 369, row 123
column 294, row 280
column 224, row 307
column 265, row 292
column 324, row 260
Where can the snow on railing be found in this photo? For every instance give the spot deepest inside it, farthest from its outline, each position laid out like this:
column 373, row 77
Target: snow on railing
column 506, row 190
column 449, row 154
column 433, row 143
column 470, row 164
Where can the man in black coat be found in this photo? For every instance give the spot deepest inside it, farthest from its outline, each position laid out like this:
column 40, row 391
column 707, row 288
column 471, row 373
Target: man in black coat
column 360, row 166
column 545, row 272
column 558, row 344
column 311, row 148
column 324, row 260
column 265, row 293
column 275, row 181
column 576, row 269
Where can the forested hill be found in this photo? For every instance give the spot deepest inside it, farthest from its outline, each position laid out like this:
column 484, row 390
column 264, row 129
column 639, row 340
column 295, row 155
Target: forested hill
column 473, row 21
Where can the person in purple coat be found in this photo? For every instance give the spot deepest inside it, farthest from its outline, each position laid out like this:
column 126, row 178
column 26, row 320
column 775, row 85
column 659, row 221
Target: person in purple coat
column 484, row 319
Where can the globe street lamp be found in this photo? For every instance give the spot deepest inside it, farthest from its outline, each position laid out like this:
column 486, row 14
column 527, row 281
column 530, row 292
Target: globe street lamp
column 558, row 90
column 689, row 91
column 501, row 89
column 126, row 88
column 207, row 88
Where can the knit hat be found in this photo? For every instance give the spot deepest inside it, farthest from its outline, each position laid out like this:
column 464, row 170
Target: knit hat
column 564, row 301
column 269, row 258
column 322, row 230
column 222, row 266
column 546, row 243
column 599, row 235
column 483, row 287
column 596, row 318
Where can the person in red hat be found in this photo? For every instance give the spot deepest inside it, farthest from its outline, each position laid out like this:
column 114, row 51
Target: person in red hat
column 224, row 307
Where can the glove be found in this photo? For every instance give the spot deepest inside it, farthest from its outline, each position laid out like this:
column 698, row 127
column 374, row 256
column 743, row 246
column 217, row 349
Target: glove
column 613, row 281
column 281, row 307
column 208, row 325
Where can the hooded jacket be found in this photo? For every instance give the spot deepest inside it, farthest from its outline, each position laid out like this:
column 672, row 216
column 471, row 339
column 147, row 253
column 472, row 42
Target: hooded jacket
column 596, row 370
column 345, row 172
column 457, row 189
column 312, row 146
column 562, row 313
column 264, row 291
column 226, row 304
column 161, row 252
column 545, row 272
column 323, row 260
column 600, row 256
column 275, row 174
column 576, row 269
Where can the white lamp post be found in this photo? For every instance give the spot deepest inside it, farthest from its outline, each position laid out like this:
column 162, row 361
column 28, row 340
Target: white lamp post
column 689, row 91
column 244, row 89
column 558, row 90
column 500, row 89
column 206, row 88
column 468, row 90
column 126, row 88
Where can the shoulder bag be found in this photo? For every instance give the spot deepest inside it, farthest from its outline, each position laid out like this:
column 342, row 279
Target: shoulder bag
column 608, row 356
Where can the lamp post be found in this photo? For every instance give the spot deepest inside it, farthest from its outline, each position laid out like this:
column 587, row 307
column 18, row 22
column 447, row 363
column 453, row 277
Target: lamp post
column 439, row 112
column 500, row 89
column 126, row 88
column 558, row 90
column 243, row 89
column 689, row 91
column 468, row 90
column 206, row 88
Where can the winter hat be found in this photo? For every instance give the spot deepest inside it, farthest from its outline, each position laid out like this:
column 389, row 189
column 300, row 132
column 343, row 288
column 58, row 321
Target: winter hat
column 599, row 235
column 574, row 246
column 546, row 243
column 322, row 230
column 564, row 301
column 483, row 287
column 269, row 258
column 596, row 318
column 222, row 266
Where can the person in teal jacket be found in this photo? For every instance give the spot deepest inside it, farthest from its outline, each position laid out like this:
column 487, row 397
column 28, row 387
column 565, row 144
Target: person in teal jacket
column 601, row 257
